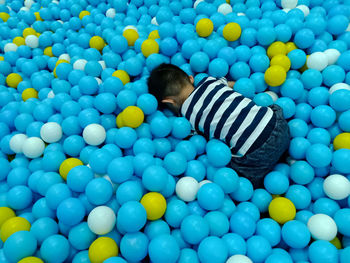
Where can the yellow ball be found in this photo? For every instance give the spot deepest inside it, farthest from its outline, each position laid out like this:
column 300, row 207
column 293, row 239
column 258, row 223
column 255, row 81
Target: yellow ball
column 48, row 51
column 336, row 242
column 204, row 27
column 28, row 31
column 120, row 120
column 132, row 117
column 13, row 79
column 13, row 225
column 232, row 31
column 38, row 17
column 60, row 61
column 122, row 75
column 149, row 46
column 2, row 58
column 67, row 165
column 281, row 60
column 154, row 34
column 19, row 41
column 97, row 43
column 31, row 260
column 83, row 13
column 342, row 141
column 29, row 93
column 155, row 205
column 275, row 76
column 5, row 213
column 101, row 249
column 131, row 36
column 276, row 48
column 290, row 46
column 4, row 16
column 282, row 210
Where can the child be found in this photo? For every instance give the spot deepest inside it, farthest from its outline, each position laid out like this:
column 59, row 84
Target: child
column 257, row 136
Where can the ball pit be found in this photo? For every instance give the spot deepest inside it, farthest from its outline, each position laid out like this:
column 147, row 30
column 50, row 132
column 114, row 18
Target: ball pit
column 92, row 171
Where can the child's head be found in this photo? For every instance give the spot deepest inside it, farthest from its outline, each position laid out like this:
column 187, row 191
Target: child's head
column 170, row 85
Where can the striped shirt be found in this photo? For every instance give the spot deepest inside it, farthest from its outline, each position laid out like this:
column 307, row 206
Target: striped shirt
column 216, row 111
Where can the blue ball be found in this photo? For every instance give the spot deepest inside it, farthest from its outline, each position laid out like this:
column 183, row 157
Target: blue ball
column 323, row 116
column 298, row 147
column 333, row 74
column 283, row 32
column 263, row 99
column 243, row 224
column 301, row 172
column 19, row 197
column 258, row 248
column 304, row 38
column 326, row 206
column 168, row 46
column 239, row 70
column 19, row 245
column 175, row 163
column 323, row 250
column 276, row 182
column 261, row 199
column 156, row 228
column 147, row 103
column 99, row 160
column 126, row 98
column 298, row 128
column 259, row 62
column 266, row 35
column 292, row 88
column 228, row 54
column 143, row 145
column 344, row 122
column 188, row 255
column 164, row 248
column 210, row 196
column 341, row 218
column 176, row 211
column 70, row 211
column 194, row 229
column 199, row 61
column 287, row 105
column 246, row 87
column 296, row 234
column 131, row 217
column 78, row 177
column 219, row 154
column 17, row 176
column 196, row 169
column 181, row 128
column 339, row 100
column 270, row 230
column 80, row 236
column 244, row 191
column 154, row 178
column 56, row 194
column 218, row 67
column 319, row 155
column 311, row 78
column 44, row 227
column 88, row 85
column 125, row 137
column 227, row 179
column 235, row 244
column 131, row 190
column 218, row 223
column 340, row 160
column 134, row 246
column 99, row 191
column 73, row 145
column 299, row 195
column 55, row 248
column 337, row 24
column 212, row 249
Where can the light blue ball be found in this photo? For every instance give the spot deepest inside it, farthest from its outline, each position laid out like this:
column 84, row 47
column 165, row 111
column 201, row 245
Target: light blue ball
column 287, row 105
column 259, row 62
column 298, row 147
column 218, row 67
column 99, row 191
column 73, row 145
column 147, row 103
column 311, row 78
column 276, row 182
column 70, row 211
column 263, row 99
column 219, row 154
column 196, row 169
column 131, row 216
column 175, row 163
column 181, row 128
column 239, row 70
column 318, row 96
column 134, row 246
column 340, row 160
column 56, row 194
column 212, row 249
column 160, row 126
column 337, row 24
column 292, row 88
column 199, row 61
column 326, row 206
column 154, row 178
column 319, row 155
column 19, row 245
column 298, row 128
column 43, row 227
column 19, row 197
column 164, row 248
column 218, row 223
column 340, row 218
column 323, row 250
column 244, row 191
column 339, row 100
column 261, row 199
column 246, row 87
column 323, row 116
column 296, row 234
column 55, row 248
column 299, row 195
column 235, row 244
column 78, row 177
column 270, row 230
column 156, row 228
column 297, row 58
column 210, row 196
column 258, row 248
column 243, row 224
column 186, row 148
column 304, row 38
column 344, row 122
column 266, row 36
column 301, row 172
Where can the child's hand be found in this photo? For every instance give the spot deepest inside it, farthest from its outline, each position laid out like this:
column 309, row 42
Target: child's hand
column 231, row 83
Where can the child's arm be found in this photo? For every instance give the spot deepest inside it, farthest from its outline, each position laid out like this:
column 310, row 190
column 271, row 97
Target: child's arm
column 230, row 84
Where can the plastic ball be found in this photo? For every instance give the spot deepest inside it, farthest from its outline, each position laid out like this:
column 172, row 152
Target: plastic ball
column 317, row 60
column 210, row 196
column 187, row 188
column 149, row 46
column 239, row 259
column 97, row 42
column 132, row 116
column 17, row 141
column 341, row 218
column 70, row 211
column 13, row 225
column 296, row 234
column 336, row 186
column 164, row 248
column 102, row 249
column 131, row 36
column 321, row 249
column 204, row 27
column 13, row 79
column 67, row 165
column 31, row 260
column 55, row 247
column 323, row 116
column 99, row 191
column 134, row 246
column 282, row 210
column 322, row 227
column 131, row 216
column 29, row 93
column 212, row 249
column 340, row 159
column 44, row 227
column 94, row 134
column 33, row 147
column 232, row 31
column 20, row 245
column 155, row 205
column 6, row 213
column 276, row 182
column 51, row 132
column 101, row 220
column 32, row 41
column 341, row 141
column 258, row 248
column 275, row 75
column 319, row 155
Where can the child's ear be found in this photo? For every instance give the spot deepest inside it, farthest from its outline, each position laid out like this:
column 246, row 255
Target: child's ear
column 168, row 100
column 191, row 78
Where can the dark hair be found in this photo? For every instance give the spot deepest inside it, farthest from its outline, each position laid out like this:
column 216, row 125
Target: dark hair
column 166, row 80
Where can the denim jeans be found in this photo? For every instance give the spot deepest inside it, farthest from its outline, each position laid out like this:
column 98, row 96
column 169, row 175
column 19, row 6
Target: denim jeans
column 255, row 165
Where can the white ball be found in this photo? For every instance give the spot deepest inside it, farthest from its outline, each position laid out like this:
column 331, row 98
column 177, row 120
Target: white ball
column 17, row 141
column 32, row 41
column 110, row 13
column 305, row 9
column 94, row 134
column 51, row 94
column 101, row 220
column 332, row 55
column 339, row 86
column 103, row 64
column 99, row 81
column 187, row 188
column 33, row 147
column 51, row 132
column 65, row 57
column 201, row 183
column 2, row 2
column 322, row 226
column 196, row 3
column 24, row 8
column 318, row 61
column 336, row 186
column 272, row 94
column 130, row 27
column 289, row 3
column 239, row 259
column 154, row 21
column 240, row 14
column 28, row 3
column 225, row 9
column 286, row 10
column 79, row 64
column 10, row 47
